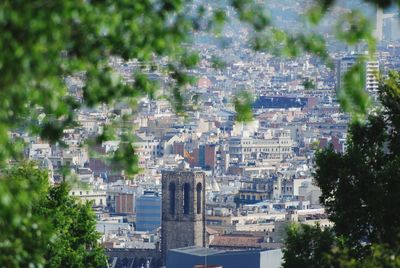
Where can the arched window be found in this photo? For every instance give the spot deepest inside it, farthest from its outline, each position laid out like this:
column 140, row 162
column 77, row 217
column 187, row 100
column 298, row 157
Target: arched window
column 199, row 188
column 172, row 198
column 186, row 198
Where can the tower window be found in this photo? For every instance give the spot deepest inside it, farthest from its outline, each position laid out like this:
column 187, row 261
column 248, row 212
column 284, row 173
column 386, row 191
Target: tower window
column 172, row 198
column 199, row 188
column 186, row 198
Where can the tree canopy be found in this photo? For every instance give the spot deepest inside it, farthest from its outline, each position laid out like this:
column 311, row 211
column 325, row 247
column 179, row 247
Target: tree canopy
column 360, row 191
column 42, row 226
column 360, row 187
column 307, row 246
column 44, row 43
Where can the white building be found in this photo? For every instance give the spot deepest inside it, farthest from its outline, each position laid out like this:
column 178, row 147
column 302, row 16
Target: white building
column 371, row 72
column 89, row 194
column 276, row 145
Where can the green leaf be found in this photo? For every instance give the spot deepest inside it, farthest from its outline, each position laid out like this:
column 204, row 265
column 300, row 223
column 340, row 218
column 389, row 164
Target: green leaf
column 243, row 107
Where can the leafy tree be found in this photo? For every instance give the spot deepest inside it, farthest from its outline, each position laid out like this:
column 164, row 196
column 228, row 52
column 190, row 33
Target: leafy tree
column 360, row 187
column 243, row 102
column 360, row 191
column 75, row 242
column 380, row 256
column 44, row 43
column 24, row 234
column 43, row 226
column 307, row 246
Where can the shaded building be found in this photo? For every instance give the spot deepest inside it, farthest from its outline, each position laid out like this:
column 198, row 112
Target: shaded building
column 371, row 68
column 148, row 211
column 178, row 148
column 132, row 257
column 125, row 203
column 254, row 191
column 183, row 208
column 190, row 257
column 284, row 102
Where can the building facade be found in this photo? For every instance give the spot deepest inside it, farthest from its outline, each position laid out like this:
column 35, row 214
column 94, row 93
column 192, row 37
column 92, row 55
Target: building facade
column 275, row 146
column 371, row 71
column 183, row 209
column 148, row 211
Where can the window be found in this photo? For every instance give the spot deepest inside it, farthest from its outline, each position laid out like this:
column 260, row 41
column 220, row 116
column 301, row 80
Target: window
column 186, row 198
column 199, row 189
column 172, row 198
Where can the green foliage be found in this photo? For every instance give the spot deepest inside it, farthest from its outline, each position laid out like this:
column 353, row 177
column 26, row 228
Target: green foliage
column 315, row 145
column 360, row 187
column 281, row 43
column 75, row 242
column 125, row 156
column 308, row 84
column 360, row 194
column 318, row 10
column 243, row 106
column 24, row 234
column 380, row 256
column 41, row 226
column 253, row 13
column 218, row 20
column 353, row 27
column 217, row 63
column 77, row 38
column 307, row 246
column 352, row 95
column 311, row 246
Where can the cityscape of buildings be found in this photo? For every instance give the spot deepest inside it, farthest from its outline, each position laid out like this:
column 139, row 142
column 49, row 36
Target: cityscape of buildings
column 212, row 190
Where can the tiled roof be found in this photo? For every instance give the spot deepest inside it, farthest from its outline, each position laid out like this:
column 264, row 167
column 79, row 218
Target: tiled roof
column 237, row 241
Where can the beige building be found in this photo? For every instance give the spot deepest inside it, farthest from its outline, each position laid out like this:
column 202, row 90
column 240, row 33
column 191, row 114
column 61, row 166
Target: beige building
column 89, row 194
column 226, row 223
column 275, row 145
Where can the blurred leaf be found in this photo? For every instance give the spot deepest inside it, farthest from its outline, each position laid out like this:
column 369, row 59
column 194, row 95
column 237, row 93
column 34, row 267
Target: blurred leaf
column 353, row 27
column 243, row 107
column 318, row 10
column 190, row 60
column 352, row 95
column 308, row 84
column 217, row 63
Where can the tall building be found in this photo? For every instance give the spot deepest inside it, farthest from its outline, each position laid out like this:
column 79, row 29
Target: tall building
column 371, row 69
column 391, row 23
column 148, row 211
column 183, row 209
column 391, row 28
column 371, row 81
column 378, row 33
column 204, row 156
column 342, row 66
column 125, row 203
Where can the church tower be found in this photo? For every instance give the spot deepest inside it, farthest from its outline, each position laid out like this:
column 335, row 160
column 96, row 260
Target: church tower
column 183, row 209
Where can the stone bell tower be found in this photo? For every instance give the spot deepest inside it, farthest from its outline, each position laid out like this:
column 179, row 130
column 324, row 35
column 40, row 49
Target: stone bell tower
column 183, row 209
